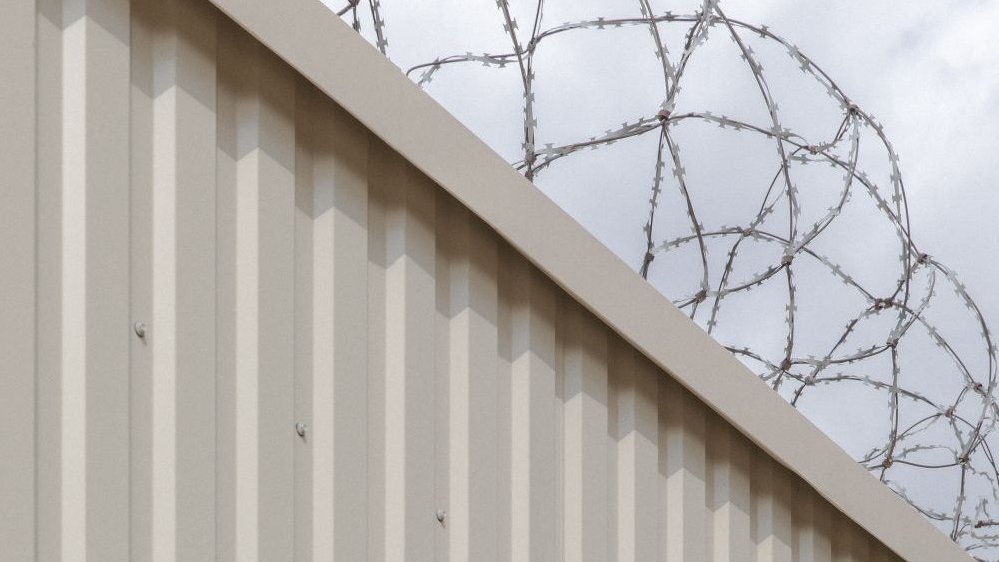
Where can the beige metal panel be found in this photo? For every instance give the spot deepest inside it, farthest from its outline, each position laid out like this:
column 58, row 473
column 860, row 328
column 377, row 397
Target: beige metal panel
column 48, row 321
column 442, row 384
column 347, row 170
column 173, row 253
column 314, row 456
column 377, row 269
column 843, row 540
column 771, row 517
column 812, row 525
column 83, row 281
column 336, row 350
column 467, row 256
column 528, row 378
column 17, row 278
column 404, row 203
column 191, row 109
column 331, row 339
column 683, row 474
column 256, row 249
column 506, row 505
column 728, row 492
column 141, row 282
column 635, row 442
column 270, row 172
column 584, row 433
column 226, row 297
column 264, row 303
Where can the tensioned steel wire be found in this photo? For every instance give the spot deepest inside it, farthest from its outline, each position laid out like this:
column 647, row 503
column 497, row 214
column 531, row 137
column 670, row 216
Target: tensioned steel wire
column 946, row 440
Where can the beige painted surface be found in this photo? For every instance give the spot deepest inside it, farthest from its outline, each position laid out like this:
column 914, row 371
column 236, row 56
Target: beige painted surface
column 18, row 357
column 455, row 346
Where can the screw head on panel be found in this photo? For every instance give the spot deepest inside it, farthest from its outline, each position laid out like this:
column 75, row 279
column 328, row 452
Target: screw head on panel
column 441, row 516
column 301, row 429
column 140, row 329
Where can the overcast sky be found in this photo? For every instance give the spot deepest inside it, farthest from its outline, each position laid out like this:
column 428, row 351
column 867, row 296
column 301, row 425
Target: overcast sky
column 927, row 70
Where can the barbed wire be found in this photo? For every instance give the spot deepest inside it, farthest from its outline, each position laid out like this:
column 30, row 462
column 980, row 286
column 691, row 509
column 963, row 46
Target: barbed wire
column 931, row 439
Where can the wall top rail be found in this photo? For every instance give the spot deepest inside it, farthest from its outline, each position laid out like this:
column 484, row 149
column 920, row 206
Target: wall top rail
column 327, row 52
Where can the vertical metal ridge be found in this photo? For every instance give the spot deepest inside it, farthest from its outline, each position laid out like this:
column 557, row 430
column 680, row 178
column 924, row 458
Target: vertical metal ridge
column 617, row 364
column 558, row 407
column 193, row 45
column 173, row 261
column 585, row 419
column 332, row 166
column 811, row 518
column 510, row 508
column 472, row 383
column 256, row 177
column 771, row 511
column 93, row 400
column 245, row 325
column 313, row 388
column 269, row 155
column 48, row 476
column 229, row 49
column 529, row 329
column 729, row 496
column 636, row 441
column 442, row 378
column 682, row 466
column 861, row 547
column 348, row 169
column 407, row 367
column 880, row 552
column 73, row 356
column 376, row 335
column 843, row 539
column 143, row 29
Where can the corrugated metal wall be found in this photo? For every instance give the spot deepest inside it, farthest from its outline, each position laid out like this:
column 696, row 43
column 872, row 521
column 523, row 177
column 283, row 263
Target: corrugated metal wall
column 289, row 268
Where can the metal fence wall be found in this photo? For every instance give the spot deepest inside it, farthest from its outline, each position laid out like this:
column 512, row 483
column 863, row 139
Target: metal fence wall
column 289, row 268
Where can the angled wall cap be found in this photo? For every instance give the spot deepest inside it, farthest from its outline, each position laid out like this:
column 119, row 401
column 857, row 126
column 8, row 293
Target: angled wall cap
column 326, row 51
